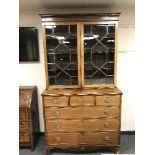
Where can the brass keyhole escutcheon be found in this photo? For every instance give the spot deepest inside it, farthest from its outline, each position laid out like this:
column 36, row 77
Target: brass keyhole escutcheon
column 58, row 139
column 107, row 138
column 107, row 125
column 55, row 101
column 107, row 112
column 83, row 148
column 56, row 126
column 56, row 113
column 107, row 100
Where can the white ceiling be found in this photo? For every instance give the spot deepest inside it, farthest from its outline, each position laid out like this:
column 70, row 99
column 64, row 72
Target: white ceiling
column 53, row 4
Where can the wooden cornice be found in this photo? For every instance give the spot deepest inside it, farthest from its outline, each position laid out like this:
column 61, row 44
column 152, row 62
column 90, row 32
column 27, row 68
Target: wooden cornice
column 79, row 17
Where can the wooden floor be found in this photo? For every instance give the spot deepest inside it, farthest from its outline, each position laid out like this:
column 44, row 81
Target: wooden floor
column 127, row 147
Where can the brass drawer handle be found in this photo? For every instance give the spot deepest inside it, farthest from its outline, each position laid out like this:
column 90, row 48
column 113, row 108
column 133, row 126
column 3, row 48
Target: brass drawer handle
column 107, row 125
column 55, row 101
column 83, row 148
column 56, row 113
column 56, row 126
column 22, row 136
column 107, row 100
column 58, row 139
column 107, row 138
column 107, row 112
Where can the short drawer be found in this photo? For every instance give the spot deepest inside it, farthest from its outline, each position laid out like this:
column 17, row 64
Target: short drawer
column 108, row 100
column 61, row 101
column 82, row 125
column 23, row 126
column 24, row 137
column 82, row 100
column 100, row 138
column 23, row 114
column 81, row 112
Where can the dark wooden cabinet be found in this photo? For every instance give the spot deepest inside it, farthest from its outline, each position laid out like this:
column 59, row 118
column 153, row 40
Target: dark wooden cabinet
column 81, row 103
column 28, row 116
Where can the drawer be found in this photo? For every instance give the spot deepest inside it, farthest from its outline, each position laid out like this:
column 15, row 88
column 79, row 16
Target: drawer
column 108, row 100
column 23, row 126
column 100, row 138
column 24, row 137
column 81, row 112
column 82, row 125
column 23, row 114
column 61, row 101
column 82, row 100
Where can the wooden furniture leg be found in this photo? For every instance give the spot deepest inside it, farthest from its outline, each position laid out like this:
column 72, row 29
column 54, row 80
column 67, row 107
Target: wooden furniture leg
column 117, row 149
column 47, row 151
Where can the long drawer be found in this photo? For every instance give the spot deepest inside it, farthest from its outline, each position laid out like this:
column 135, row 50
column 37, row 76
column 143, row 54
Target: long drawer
column 102, row 138
column 81, row 112
column 82, row 125
column 23, row 126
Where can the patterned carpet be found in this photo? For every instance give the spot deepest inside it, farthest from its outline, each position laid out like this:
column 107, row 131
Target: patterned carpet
column 127, row 147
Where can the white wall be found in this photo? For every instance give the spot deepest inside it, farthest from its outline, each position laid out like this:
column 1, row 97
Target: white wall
column 34, row 74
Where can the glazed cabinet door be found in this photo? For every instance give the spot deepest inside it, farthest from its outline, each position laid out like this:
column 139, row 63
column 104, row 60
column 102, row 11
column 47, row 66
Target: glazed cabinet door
column 61, row 57
column 80, row 54
column 99, row 53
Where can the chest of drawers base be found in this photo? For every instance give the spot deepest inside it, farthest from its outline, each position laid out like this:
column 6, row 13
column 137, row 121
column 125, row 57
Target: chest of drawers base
column 82, row 119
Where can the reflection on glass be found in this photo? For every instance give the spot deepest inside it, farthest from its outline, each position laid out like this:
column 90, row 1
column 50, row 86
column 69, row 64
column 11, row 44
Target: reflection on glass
column 61, row 44
column 99, row 43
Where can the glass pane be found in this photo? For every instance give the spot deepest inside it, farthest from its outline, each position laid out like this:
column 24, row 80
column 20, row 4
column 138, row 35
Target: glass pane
column 110, row 56
column 109, row 41
column 108, row 69
column 87, row 55
column 73, row 29
column 62, row 60
column 50, row 58
column 89, row 41
column 99, row 59
column 61, row 44
column 61, row 31
column 73, row 57
column 51, row 43
column 53, row 69
column 87, row 29
column 99, row 31
column 71, row 42
column 63, row 79
column 89, row 69
column 99, row 44
column 111, row 29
